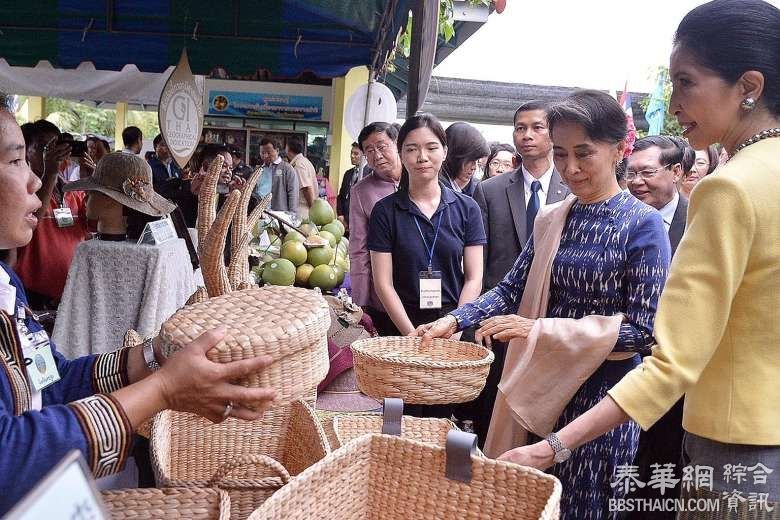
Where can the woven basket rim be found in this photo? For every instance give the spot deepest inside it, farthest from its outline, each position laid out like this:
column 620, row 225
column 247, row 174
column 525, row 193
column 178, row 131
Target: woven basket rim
column 369, row 352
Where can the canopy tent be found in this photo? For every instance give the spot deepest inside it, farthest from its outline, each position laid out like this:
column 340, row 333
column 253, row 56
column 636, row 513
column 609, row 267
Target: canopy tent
column 268, row 40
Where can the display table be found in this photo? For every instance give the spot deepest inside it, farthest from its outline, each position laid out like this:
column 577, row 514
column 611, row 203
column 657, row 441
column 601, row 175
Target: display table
column 116, row 286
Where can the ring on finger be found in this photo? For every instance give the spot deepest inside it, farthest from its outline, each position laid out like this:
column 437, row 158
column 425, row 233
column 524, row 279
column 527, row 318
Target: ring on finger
column 228, row 410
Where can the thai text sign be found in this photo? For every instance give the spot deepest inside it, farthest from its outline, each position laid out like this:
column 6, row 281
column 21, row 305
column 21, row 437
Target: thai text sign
column 254, row 104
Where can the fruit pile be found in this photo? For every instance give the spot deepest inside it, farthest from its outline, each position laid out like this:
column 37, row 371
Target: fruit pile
column 317, row 259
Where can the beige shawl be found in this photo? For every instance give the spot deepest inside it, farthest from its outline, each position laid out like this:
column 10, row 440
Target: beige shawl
column 543, row 371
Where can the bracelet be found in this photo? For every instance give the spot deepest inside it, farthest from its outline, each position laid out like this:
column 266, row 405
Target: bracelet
column 149, row 358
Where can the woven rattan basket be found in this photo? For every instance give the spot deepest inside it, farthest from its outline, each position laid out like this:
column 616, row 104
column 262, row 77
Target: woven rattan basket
column 289, row 324
column 171, row 503
column 383, row 477
column 250, row 460
column 392, row 421
column 396, row 366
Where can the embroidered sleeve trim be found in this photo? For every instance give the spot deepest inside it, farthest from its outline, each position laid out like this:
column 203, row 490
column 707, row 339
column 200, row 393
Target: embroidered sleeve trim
column 109, row 372
column 108, row 432
column 12, row 364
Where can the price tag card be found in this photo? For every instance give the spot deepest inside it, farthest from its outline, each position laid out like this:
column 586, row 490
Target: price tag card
column 158, row 232
column 41, row 367
column 430, row 289
column 63, row 217
column 68, row 491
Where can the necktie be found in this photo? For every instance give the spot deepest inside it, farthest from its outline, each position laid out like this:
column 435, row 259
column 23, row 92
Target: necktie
column 533, row 207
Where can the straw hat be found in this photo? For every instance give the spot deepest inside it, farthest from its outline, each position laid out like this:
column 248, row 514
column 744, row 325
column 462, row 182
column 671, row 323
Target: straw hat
column 126, row 178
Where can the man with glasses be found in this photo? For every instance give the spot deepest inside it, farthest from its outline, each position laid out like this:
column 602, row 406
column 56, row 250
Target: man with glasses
column 653, row 170
column 378, row 142
column 652, row 173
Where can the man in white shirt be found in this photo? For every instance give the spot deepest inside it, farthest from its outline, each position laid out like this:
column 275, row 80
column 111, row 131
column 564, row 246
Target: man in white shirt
column 653, row 170
column 307, row 176
column 133, row 140
column 510, row 202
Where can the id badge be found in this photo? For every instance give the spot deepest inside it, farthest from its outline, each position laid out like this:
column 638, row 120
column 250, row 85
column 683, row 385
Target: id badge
column 41, row 367
column 63, row 217
column 430, row 289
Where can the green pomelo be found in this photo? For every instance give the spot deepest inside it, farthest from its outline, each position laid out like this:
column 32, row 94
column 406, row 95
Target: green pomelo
column 321, row 213
column 329, row 236
column 340, row 273
column 324, row 277
column 302, row 274
column 279, row 272
column 336, row 230
column 320, row 255
column 294, row 235
column 294, row 251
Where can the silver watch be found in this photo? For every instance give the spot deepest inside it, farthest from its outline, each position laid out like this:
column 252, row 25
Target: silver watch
column 149, row 359
column 562, row 453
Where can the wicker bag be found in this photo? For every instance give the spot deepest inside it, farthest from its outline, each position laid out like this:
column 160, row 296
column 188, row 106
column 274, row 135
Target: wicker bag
column 396, row 366
column 171, row 503
column 383, row 477
column 250, row 460
column 287, row 323
column 392, row 421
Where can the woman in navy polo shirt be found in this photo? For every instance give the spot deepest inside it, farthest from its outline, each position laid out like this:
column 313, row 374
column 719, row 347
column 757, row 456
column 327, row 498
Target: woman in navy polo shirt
column 425, row 235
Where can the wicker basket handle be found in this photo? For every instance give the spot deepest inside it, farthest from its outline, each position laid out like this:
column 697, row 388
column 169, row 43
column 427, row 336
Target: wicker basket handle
column 459, row 449
column 392, row 413
column 249, row 460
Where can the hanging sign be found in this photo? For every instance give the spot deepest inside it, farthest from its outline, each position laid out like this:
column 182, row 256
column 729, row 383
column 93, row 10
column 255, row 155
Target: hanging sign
column 180, row 112
column 258, row 104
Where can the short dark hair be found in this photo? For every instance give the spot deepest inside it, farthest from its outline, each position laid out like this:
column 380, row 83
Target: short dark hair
column 378, row 128
column 600, row 115
column 355, row 145
column 157, row 140
column 295, row 145
column 132, row 135
column 209, row 152
column 688, row 153
column 37, row 130
column 714, row 156
column 423, row 120
column 530, row 105
column 731, row 38
column 273, row 142
column 671, row 152
column 234, row 150
column 494, row 150
column 464, row 143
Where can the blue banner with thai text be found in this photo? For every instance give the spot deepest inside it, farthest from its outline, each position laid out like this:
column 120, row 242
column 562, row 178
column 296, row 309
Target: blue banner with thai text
column 253, row 104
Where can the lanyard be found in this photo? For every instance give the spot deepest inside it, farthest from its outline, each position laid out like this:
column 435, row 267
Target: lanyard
column 428, row 250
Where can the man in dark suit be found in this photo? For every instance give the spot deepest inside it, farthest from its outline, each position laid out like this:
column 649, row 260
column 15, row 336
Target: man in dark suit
column 652, row 173
column 509, row 204
column 351, row 177
column 510, row 201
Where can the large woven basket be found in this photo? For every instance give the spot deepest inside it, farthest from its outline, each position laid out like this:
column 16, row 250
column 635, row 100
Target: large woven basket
column 446, row 372
column 250, row 460
column 383, row 477
column 349, row 427
column 171, row 503
column 289, row 324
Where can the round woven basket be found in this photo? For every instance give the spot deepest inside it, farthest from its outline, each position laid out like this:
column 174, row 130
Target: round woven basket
column 170, row 503
column 289, row 324
column 446, row 372
column 432, row 431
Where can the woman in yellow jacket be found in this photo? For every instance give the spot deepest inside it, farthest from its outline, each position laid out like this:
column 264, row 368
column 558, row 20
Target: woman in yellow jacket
column 717, row 328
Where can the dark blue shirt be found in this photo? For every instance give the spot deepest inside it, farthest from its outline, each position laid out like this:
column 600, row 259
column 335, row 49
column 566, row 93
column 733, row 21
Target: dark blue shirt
column 392, row 229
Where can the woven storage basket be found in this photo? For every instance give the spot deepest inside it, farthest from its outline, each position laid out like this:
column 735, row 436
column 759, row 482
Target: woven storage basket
column 250, row 460
column 396, row 366
column 383, row 477
column 392, row 421
column 289, row 324
column 173, row 503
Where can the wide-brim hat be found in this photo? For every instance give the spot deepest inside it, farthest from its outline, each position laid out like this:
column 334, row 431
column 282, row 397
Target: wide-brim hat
column 126, row 178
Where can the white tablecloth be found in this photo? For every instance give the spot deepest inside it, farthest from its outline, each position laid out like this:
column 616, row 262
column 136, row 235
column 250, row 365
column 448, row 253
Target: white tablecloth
column 116, row 286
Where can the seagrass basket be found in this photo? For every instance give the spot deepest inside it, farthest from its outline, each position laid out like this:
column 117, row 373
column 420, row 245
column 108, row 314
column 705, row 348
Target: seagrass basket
column 289, row 324
column 248, row 459
column 446, row 372
column 170, row 503
column 348, row 427
column 383, row 477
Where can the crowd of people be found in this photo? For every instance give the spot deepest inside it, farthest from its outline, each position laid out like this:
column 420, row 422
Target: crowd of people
column 655, row 264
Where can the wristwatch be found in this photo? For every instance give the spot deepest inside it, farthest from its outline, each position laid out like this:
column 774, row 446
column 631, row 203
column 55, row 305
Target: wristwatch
column 562, row 453
column 149, row 358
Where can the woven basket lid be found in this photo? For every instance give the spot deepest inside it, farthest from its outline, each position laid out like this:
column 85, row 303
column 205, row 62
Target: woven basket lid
column 272, row 320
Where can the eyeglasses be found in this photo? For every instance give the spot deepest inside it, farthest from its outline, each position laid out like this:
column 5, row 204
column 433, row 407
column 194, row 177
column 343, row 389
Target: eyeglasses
column 381, row 148
column 496, row 163
column 645, row 174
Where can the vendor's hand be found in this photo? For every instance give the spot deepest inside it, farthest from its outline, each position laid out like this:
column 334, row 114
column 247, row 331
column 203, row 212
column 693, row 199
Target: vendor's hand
column 444, row 327
column 53, row 155
column 236, row 183
column 87, row 166
column 503, row 328
column 190, row 382
column 197, row 182
column 539, row 455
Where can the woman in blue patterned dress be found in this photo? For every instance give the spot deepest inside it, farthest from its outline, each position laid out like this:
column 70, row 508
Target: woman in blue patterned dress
column 613, row 258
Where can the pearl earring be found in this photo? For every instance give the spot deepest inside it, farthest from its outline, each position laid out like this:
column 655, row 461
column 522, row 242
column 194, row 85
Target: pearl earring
column 748, row 104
